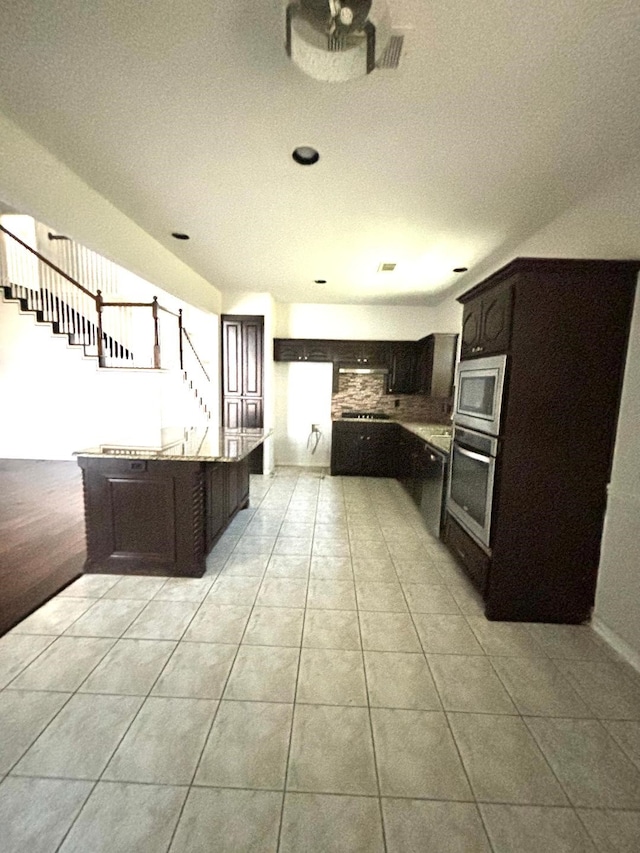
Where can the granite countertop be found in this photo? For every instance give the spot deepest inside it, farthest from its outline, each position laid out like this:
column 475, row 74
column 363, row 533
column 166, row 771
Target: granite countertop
column 438, row 435
column 210, row 445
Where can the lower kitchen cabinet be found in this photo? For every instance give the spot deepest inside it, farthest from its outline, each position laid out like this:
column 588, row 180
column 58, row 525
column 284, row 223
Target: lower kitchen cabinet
column 226, row 491
column 474, row 559
column 364, row 448
column 158, row 517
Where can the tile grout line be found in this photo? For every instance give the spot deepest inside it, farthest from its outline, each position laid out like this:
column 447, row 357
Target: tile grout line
column 295, row 694
column 446, row 717
column 215, row 715
column 369, row 715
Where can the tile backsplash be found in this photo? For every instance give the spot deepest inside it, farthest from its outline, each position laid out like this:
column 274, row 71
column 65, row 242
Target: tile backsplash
column 365, row 393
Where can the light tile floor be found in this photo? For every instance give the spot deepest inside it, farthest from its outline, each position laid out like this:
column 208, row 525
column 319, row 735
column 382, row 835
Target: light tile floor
column 330, row 684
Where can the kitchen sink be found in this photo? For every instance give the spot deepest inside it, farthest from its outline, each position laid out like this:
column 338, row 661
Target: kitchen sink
column 440, row 440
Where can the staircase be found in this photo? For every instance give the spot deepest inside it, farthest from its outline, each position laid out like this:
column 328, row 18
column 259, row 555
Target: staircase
column 119, row 334
column 66, row 320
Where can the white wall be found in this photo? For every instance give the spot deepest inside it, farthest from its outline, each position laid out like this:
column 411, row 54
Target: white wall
column 303, row 398
column 34, row 182
column 362, row 322
column 55, row 401
column 617, row 610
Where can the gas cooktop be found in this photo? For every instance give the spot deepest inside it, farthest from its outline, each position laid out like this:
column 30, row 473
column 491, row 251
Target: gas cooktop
column 367, row 416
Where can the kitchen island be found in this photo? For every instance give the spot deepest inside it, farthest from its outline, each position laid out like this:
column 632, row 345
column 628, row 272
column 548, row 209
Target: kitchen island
column 159, row 511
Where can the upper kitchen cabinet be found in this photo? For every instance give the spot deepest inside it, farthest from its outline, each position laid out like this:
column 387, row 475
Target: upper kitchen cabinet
column 486, row 320
column 402, row 367
column 363, row 353
column 436, row 364
column 364, row 448
column 302, row 349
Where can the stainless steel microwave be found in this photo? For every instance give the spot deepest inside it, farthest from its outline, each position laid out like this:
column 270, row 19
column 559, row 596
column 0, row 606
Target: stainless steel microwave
column 479, row 393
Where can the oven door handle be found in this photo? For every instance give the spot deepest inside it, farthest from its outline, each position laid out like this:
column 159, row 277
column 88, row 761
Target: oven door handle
column 477, row 456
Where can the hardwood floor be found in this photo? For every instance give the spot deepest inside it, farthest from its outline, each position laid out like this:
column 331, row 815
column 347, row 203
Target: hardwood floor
column 42, row 539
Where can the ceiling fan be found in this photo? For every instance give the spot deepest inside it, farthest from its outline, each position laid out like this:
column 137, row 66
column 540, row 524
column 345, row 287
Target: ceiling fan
column 337, row 40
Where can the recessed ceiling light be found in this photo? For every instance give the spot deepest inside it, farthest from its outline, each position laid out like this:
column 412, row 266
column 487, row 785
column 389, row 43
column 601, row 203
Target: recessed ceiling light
column 305, row 155
column 460, row 269
column 320, row 280
column 388, row 267
column 179, row 235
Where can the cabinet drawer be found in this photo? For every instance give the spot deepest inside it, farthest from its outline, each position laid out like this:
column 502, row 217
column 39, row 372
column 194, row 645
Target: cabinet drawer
column 472, row 557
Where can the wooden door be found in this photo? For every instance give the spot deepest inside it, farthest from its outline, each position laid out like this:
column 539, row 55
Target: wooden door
column 242, row 371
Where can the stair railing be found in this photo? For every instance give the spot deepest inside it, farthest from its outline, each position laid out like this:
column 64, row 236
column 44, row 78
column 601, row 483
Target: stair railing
column 121, row 337
column 194, row 373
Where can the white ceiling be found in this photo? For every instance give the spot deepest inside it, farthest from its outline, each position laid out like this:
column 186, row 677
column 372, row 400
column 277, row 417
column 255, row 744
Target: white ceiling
column 184, row 115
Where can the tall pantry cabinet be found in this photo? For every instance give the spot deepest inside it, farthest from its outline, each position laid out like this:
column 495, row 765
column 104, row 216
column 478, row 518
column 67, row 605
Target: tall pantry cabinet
column 242, row 376
column 564, row 326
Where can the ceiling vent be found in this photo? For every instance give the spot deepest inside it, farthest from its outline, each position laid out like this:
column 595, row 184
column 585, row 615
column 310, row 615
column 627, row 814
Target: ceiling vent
column 339, row 40
column 390, row 59
column 386, row 267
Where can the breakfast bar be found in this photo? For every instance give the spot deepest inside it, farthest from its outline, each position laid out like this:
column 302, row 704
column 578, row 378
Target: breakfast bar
column 159, row 511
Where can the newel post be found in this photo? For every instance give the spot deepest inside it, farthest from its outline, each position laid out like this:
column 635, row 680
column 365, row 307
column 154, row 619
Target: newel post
column 100, row 342
column 156, row 333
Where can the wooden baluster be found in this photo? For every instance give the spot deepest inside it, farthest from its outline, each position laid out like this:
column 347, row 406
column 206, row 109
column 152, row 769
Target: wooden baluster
column 101, row 360
column 156, row 333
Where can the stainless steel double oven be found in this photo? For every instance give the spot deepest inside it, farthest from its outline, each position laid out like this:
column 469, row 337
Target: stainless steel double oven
column 474, row 449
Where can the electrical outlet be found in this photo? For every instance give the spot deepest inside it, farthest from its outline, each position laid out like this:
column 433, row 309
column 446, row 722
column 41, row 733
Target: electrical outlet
column 315, row 427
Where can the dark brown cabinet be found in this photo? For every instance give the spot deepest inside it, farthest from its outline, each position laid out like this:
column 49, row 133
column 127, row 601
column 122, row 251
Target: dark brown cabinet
column 364, row 449
column 361, row 353
column 486, row 322
column 401, row 378
column 302, row 349
column 566, row 353
column 158, row 517
column 242, row 357
column 242, row 413
column 436, row 362
column 425, row 366
column 475, row 560
column 216, row 504
column 242, row 376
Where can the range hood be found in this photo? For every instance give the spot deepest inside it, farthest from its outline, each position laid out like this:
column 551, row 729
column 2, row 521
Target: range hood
column 363, row 371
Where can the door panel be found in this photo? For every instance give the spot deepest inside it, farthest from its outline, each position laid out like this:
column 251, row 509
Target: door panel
column 252, row 359
column 232, row 413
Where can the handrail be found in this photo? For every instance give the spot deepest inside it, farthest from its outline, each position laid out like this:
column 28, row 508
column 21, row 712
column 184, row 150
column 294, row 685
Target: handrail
column 188, row 339
column 77, row 284
column 50, row 264
column 106, row 334
column 166, row 310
